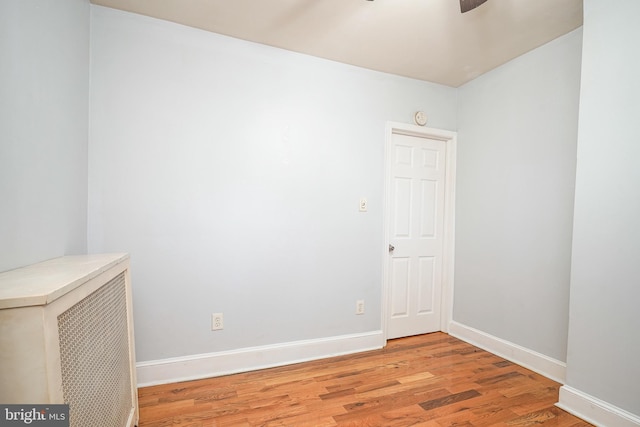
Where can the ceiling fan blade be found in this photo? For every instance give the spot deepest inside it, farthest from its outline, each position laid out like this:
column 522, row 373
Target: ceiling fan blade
column 467, row 5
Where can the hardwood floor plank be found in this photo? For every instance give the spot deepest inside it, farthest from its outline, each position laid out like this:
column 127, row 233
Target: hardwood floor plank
column 415, row 377
column 448, row 400
column 498, row 378
column 491, row 415
column 430, row 380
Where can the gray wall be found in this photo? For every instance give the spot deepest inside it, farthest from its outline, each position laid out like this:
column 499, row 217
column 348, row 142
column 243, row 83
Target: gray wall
column 517, row 130
column 44, row 95
column 604, row 326
column 232, row 172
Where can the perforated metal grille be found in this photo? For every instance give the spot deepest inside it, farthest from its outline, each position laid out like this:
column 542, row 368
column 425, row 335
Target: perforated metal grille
column 94, row 350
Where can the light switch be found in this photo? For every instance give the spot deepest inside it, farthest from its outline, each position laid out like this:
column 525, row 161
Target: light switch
column 363, row 204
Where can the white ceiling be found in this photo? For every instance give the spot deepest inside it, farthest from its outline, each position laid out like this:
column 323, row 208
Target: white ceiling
column 423, row 39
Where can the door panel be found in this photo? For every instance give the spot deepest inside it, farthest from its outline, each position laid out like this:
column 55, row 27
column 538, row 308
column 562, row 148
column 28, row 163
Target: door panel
column 428, row 214
column 400, row 276
column 402, row 199
column 426, row 284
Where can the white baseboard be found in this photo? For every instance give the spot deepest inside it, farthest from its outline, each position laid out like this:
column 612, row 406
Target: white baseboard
column 594, row 410
column 208, row 365
column 537, row 362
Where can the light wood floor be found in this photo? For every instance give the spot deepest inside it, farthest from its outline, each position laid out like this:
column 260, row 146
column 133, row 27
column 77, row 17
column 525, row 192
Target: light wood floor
column 430, row 380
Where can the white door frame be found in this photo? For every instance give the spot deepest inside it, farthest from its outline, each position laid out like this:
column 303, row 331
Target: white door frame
column 450, row 139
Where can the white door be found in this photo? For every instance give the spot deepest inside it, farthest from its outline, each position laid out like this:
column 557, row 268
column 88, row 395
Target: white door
column 415, row 231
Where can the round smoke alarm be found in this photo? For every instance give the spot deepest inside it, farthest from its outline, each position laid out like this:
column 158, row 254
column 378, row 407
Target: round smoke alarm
column 420, row 118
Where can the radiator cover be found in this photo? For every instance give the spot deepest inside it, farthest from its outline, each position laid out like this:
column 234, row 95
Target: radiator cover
column 66, row 336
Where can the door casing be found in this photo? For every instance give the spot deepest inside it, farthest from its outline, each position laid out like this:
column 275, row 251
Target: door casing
column 450, row 139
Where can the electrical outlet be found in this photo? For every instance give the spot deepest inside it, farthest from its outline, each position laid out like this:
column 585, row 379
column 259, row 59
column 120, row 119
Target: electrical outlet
column 217, row 322
column 360, row 306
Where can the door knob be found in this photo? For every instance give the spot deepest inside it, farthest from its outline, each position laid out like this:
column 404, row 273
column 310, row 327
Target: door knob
column 391, row 248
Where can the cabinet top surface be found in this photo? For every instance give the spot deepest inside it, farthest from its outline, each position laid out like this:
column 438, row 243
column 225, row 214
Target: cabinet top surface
column 44, row 282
